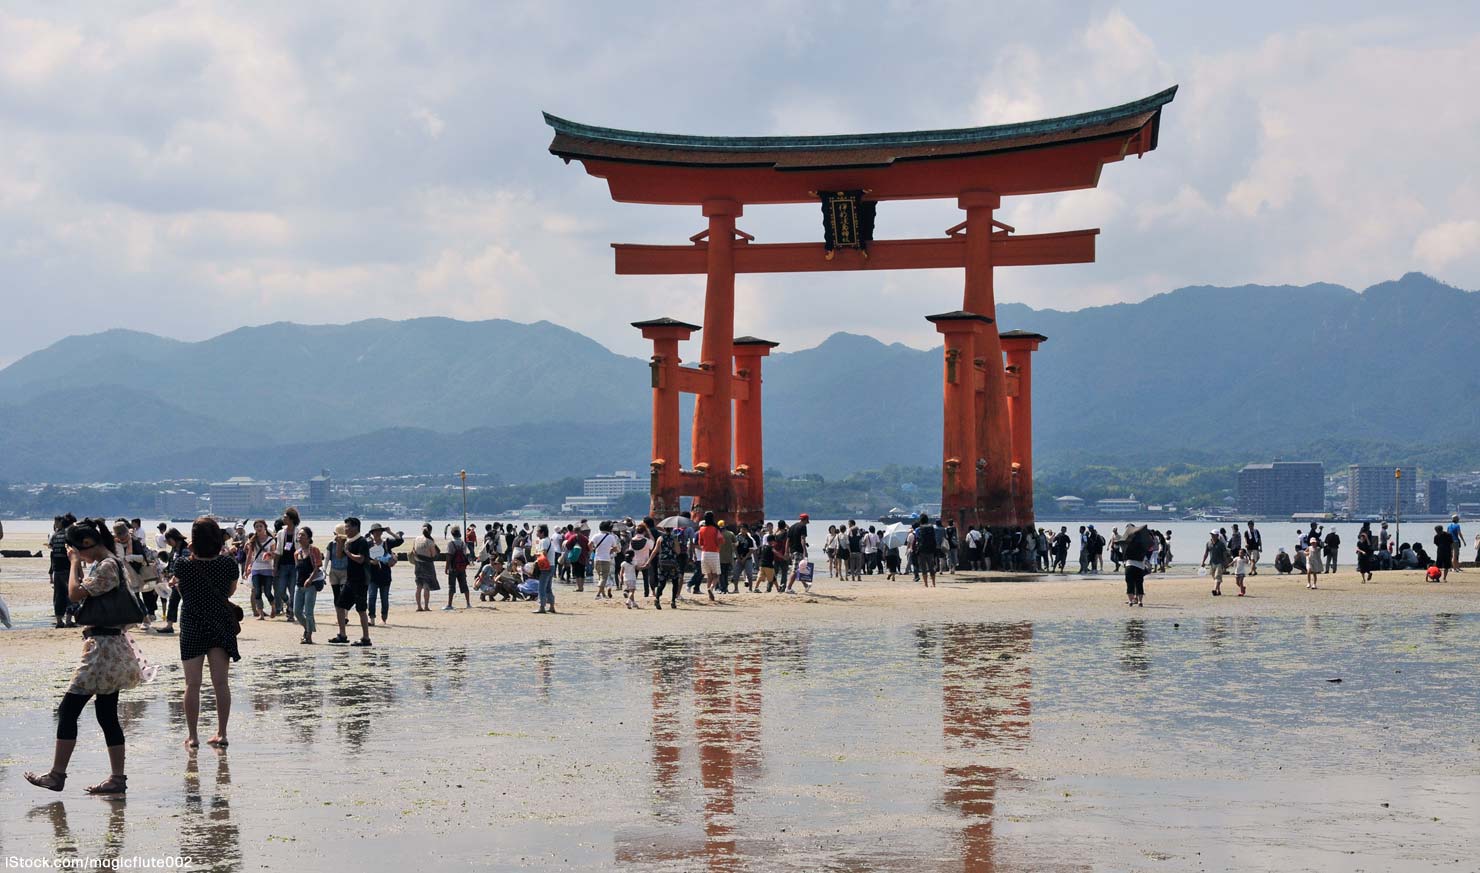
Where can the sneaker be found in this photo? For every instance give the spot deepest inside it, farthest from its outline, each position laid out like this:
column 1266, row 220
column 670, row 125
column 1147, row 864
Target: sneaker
column 445, row 609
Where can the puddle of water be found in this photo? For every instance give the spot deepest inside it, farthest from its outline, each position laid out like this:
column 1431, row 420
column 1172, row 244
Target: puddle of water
column 1136, row 744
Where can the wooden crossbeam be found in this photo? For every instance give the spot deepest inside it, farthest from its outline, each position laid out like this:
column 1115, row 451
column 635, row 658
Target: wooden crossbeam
column 1008, row 250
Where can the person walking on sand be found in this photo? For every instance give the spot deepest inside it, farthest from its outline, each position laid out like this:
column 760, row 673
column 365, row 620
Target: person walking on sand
column 1458, row 535
column 355, row 592
column 111, row 663
column 1241, row 566
column 424, row 551
column 260, row 567
column 927, row 550
column 710, row 540
column 1444, row 548
column 1215, row 558
column 310, row 581
column 209, row 623
column 1254, row 543
column 1313, row 562
column 459, row 558
column 1136, row 544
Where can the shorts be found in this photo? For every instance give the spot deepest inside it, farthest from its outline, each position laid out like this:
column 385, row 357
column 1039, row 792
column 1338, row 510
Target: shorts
column 603, row 570
column 711, row 563
column 768, row 574
column 1215, row 570
column 337, row 577
column 353, row 595
column 456, row 578
column 927, row 562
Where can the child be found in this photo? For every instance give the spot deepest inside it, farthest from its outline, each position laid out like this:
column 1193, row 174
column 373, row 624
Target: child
column 1312, row 563
column 1240, row 568
column 627, row 574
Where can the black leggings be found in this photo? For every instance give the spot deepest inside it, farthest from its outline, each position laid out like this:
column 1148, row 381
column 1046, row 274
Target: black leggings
column 59, row 597
column 1135, row 578
column 106, row 707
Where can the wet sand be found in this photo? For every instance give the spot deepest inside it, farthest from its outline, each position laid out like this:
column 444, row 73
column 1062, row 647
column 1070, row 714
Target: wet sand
column 993, row 725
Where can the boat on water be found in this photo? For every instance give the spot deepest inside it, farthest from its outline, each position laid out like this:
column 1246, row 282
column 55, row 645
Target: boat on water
column 896, row 514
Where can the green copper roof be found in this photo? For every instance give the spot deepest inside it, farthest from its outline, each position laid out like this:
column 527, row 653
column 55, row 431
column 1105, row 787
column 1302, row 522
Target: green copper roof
column 991, row 133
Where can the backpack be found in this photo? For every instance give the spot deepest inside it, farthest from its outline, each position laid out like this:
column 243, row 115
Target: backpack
column 667, row 554
column 459, row 555
column 573, row 552
column 925, row 540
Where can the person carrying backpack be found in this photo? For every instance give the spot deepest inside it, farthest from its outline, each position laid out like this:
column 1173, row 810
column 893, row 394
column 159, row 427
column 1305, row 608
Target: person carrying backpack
column 927, row 550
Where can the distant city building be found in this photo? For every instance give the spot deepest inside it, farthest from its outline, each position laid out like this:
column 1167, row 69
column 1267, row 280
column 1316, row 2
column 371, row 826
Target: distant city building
column 1069, row 504
column 174, row 503
column 1468, row 510
column 1282, row 488
column 1438, row 496
column 318, row 489
column 237, row 497
column 1372, row 489
column 615, row 486
column 601, row 493
column 1118, row 506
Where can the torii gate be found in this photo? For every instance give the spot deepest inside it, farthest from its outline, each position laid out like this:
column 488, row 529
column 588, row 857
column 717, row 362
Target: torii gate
column 987, row 471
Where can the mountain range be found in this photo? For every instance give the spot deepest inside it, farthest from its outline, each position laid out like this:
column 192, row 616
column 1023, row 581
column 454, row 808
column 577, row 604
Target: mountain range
column 1199, row 374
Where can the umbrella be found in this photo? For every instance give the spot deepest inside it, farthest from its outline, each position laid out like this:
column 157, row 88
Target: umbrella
column 676, row 522
column 896, row 534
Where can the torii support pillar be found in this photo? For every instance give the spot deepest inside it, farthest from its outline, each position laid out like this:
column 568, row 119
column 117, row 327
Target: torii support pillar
column 993, row 500
column 959, row 468
column 750, row 462
column 711, row 445
column 1020, row 346
column 664, row 482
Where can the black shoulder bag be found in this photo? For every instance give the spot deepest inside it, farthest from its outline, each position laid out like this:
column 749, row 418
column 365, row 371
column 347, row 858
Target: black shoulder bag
column 114, row 608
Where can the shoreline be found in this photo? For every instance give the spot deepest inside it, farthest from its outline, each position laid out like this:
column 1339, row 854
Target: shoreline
column 967, row 597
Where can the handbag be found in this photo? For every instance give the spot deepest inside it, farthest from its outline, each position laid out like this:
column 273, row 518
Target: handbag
column 116, row 607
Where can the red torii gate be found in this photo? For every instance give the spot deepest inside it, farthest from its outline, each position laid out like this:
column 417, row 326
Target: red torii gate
column 987, row 471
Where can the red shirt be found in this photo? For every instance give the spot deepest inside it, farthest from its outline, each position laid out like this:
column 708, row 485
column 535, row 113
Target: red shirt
column 710, row 538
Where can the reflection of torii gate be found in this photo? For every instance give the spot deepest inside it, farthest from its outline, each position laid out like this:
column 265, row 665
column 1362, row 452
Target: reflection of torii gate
column 987, row 465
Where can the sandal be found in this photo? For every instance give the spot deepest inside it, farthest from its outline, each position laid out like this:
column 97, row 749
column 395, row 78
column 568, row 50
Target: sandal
column 51, row 780
column 111, row 785
column 361, row 643
column 218, row 742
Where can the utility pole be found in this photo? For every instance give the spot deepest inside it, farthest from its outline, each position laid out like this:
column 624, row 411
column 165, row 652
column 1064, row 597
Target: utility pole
column 1398, row 503
column 464, row 475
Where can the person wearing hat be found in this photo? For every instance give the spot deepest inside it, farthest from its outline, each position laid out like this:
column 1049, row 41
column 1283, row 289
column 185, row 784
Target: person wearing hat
column 1215, row 558
column 382, row 559
column 337, row 562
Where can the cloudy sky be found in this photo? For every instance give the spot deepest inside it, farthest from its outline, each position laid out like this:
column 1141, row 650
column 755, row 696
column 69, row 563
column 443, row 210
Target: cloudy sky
column 189, row 168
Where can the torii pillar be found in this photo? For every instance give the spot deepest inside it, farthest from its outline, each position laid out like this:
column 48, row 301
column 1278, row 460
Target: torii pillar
column 748, row 481
column 666, row 467
column 711, row 442
column 959, row 473
column 1019, row 346
column 993, row 504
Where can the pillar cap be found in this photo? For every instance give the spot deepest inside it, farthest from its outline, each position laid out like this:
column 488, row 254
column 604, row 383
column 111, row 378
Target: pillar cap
column 958, row 315
column 755, row 341
column 1023, row 334
column 665, row 322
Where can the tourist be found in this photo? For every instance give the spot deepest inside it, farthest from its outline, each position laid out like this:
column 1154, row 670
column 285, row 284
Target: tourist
column 783, row 557
column 1282, row 563
column 644, row 545
column 338, row 563
column 1241, row 566
column 1384, row 544
column 1137, row 544
column 744, row 558
column 310, row 576
column 603, row 549
column 1366, row 553
column 668, row 565
column 927, row 550
column 1313, row 562
column 110, row 661
column 260, row 564
column 1061, row 544
column 838, row 566
column 286, row 581
column 709, row 540
column 871, row 561
column 179, row 551
column 1215, row 559
column 1458, row 536
column 459, row 556
column 546, row 557
column 354, row 593
column 574, row 554
column 726, row 558
column 60, row 570
column 209, row 625
column 953, row 547
column 1254, row 544
column 855, row 551
column 424, row 551
column 1330, row 547
column 627, row 578
column 973, row 548
column 1115, row 550
column 796, row 546
column 382, row 558
column 1444, row 548
column 1083, row 550
column 768, row 551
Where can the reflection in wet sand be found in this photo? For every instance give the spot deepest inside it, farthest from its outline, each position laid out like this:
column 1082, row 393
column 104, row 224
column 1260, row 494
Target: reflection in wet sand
column 66, row 845
column 208, row 835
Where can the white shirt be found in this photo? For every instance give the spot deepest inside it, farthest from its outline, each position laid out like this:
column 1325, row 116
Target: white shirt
column 870, row 542
column 604, row 544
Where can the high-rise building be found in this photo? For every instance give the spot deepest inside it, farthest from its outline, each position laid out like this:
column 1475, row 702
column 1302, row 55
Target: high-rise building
column 1438, row 496
column 318, row 489
column 615, row 486
column 237, row 497
column 1282, row 488
column 1372, row 489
